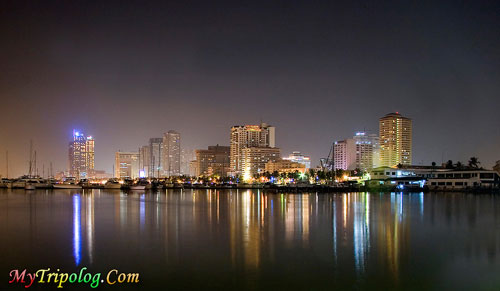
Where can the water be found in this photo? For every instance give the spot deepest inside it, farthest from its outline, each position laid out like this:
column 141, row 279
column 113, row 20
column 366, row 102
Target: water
column 228, row 239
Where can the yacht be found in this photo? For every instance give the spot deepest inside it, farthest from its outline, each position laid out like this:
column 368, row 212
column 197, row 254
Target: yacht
column 112, row 184
column 4, row 183
column 140, row 185
column 68, row 183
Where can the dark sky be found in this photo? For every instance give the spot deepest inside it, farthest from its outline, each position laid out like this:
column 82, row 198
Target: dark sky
column 126, row 71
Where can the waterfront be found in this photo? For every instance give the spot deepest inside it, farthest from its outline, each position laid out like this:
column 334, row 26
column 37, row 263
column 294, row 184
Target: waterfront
column 248, row 239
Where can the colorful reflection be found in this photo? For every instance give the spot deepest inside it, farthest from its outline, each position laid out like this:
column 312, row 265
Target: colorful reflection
column 77, row 231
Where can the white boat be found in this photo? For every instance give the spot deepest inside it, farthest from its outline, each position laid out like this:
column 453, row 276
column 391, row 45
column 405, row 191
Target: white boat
column 112, row 184
column 137, row 187
column 68, row 183
column 30, row 186
column 20, row 183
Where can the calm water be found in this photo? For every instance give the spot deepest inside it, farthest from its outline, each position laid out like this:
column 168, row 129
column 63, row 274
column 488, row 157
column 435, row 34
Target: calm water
column 199, row 239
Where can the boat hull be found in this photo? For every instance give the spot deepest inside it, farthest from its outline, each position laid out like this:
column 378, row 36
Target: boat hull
column 63, row 186
column 137, row 187
column 29, row 187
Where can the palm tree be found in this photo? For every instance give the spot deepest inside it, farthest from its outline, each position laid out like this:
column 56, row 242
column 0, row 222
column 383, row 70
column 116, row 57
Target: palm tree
column 449, row 164
column 474, row 163
column 459, row 165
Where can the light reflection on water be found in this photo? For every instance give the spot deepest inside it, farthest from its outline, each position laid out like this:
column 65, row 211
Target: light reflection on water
column 255, row 240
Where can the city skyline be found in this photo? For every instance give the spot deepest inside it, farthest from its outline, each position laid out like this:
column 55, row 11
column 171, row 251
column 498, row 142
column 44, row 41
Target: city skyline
column 335, row 71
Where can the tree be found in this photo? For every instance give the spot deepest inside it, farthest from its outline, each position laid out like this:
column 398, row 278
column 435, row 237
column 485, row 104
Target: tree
column 474, row 163
column 433, row 164
column 312, row 173
column 449, row 164
column 399, row 166
column 459, row 165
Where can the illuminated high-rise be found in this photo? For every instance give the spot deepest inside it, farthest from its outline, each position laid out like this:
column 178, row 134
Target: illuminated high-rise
column 260, row 136
column 171, row 154
column 155, row 160
column 81, row 155
column 395, row 133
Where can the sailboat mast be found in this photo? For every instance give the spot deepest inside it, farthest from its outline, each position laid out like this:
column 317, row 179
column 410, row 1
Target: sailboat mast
column 34, row 166
column 7, row 158
column 31, row 159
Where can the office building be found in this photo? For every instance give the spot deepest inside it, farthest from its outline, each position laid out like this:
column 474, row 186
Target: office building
column 285, row 166
column 395, row 133
column 360, row 152
column 155, row 149
column 144, row 161
column 297, row 157
column 212, row 161
column 81, row 155
column 127, row 165
column 254, row 159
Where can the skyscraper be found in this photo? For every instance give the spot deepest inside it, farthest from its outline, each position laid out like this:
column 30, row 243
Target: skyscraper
column 155, row 151
column 81, row 155
column 248, row 136
column 171, row 156
column 395, row 133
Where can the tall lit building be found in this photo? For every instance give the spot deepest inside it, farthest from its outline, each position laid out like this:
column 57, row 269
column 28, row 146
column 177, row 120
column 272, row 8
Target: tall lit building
column 360, row 152
column 395, row 133
column 171, row 156
column 246, row 136
column 187, row 155
column 155, row 151
column 81, row 155
column 212, row 161
column 127, row 165
column 297, row 157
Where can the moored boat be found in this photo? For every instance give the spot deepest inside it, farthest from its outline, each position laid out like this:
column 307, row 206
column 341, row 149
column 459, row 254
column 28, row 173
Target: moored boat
column 112, row 184
column 68, row 183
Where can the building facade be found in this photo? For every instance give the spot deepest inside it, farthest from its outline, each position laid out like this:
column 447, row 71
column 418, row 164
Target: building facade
column 260, row 136
column 360, row 152
column 155, row 149
column 171, row 154
column 81, row 155
column 144, row 161
column 254, row 159
column 212, row 161
column 395, row 133
column 285, row 166
column 127, row 165
column 297, row 157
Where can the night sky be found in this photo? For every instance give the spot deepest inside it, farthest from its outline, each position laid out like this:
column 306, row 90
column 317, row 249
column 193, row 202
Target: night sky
column 319, row 71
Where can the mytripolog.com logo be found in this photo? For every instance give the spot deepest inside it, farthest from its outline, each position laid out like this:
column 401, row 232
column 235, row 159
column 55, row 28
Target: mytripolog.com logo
column 59, row 279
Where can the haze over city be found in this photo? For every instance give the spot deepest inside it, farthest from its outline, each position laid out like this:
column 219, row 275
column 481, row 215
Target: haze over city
column 318, row 72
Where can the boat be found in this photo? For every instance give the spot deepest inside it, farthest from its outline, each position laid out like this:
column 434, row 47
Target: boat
column 30, row 186
column 112, row 184
column 4, row 183
column 137, row 187
column 142, row 184
column 68, row 183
